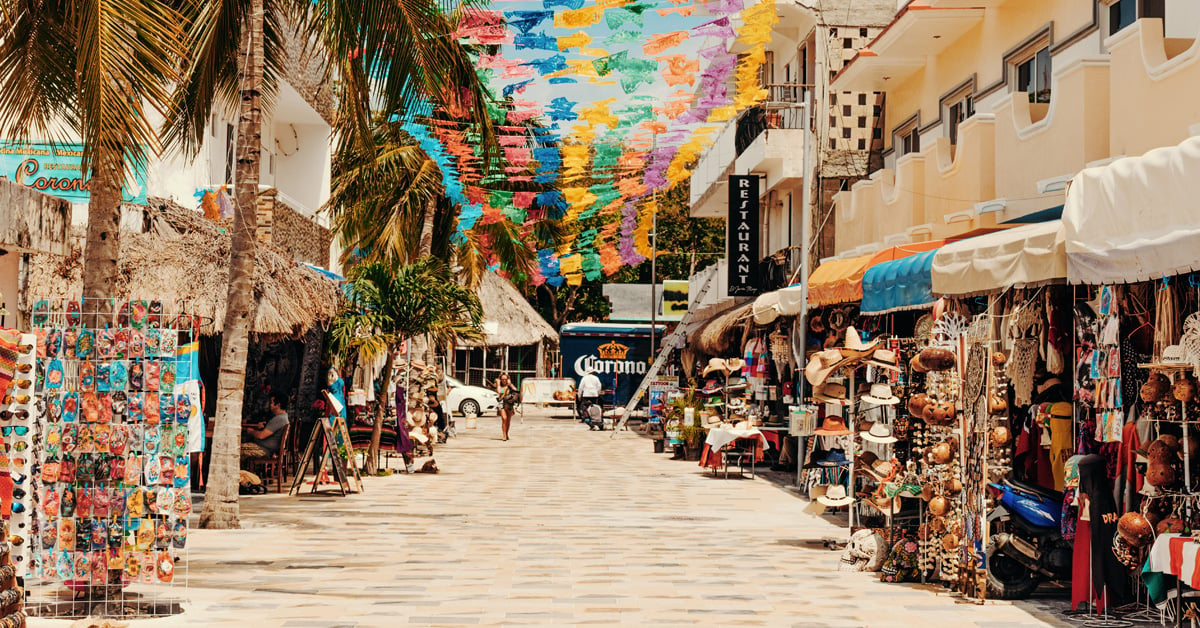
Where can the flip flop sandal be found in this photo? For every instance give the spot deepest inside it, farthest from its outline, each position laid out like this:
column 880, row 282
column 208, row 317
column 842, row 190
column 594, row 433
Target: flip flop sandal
column 70, row 438
column 135, row 375
column 182, row 504
column 151, row 440
column 123, row 315
column 87, row 376
column 137, row 344
column 166, row 466
column 85, row 344
column 153, row 476
column 50, row 470
column 54, row 375
column 116, row 471
column 138, row 313
column 103, row 377
column 68, row 343
column 182, row 473
column 118, row 440
column 152, row 375
column 169, row 343
column 70, row 407
column 120, row 344
column 53, row 344
column 153, row 343
column 106, row 413
column 183, row 409
column 103, row 435
column 166, row 375
column 66, row 565
column 104, row 343
column 166, row 408
column 83, row 506
column 100, row 506
column 67, row 474
column 120, row 403
column 41, row 313
column 53, row 440
column 154, row 318
column 133, row 473
column 150, row 409
column 74, row 312
column 179, row 535
column 87, row 445
column 134, row 408
column 118, row 375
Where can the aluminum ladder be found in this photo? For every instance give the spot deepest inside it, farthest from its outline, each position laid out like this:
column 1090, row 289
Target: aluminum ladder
column 664, row 352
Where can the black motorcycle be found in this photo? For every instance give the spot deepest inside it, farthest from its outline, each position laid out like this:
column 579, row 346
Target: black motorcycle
column 1027, row 546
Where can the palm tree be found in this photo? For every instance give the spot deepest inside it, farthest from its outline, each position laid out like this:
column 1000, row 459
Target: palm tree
column 386, row 52
column 92, row 70
column 389, row 305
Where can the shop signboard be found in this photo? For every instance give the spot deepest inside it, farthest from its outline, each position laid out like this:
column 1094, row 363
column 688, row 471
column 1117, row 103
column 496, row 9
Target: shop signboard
column 661, row 392
column 674, row 299
column 741, row 239
column 55, row 169
column 619, row 355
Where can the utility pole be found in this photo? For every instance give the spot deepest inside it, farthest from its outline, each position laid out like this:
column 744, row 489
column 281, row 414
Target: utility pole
column 800, row 331
column 654, row 275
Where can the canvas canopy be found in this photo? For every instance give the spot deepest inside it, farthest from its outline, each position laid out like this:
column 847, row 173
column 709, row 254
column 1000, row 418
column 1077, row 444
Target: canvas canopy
column 1024, row 256
column 1135, row 219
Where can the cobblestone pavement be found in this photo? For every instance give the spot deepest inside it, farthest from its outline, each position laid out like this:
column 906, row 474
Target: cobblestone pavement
column 557, row 527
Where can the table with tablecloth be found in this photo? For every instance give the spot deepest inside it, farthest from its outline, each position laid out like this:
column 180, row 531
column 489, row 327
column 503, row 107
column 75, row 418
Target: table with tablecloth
column 721, row 436
column 1171, row 555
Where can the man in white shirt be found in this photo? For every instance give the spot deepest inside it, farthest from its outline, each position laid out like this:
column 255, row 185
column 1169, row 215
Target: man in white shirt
column 589, row 390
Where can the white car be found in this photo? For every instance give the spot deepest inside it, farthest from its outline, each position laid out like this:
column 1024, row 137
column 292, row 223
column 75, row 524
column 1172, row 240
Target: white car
column 466, row 399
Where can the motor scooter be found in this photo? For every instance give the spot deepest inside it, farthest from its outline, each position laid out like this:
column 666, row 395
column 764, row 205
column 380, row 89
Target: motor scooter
column 1026, row 545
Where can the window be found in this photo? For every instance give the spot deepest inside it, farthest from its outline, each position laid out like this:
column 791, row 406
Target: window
column 955, row 108
column 1122, row 13
column 907, row 138
column 1030, row 73
column 804, row 65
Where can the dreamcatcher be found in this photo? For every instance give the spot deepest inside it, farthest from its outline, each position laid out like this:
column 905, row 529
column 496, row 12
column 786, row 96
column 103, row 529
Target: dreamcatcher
column 1191, row 339
column 949, row 329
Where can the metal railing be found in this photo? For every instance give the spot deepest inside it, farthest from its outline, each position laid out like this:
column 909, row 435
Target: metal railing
column 783, row 109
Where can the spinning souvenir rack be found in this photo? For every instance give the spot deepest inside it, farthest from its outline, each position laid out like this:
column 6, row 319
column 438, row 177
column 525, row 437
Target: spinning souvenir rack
column 100, row 425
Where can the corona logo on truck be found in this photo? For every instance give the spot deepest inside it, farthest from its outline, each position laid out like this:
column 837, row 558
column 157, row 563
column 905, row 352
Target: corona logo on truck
column 619, row 354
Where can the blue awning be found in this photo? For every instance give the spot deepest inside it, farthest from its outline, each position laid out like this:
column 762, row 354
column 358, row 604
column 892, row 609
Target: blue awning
column 903, row 284
column 323, row 271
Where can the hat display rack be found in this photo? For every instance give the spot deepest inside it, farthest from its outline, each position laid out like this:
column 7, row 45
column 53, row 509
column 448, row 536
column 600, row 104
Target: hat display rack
column 105, row 463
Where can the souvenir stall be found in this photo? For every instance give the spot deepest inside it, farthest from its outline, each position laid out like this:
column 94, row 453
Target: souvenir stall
column 103, row 410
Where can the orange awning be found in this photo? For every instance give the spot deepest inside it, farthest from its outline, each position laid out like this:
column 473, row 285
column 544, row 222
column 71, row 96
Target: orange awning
column 840, row 281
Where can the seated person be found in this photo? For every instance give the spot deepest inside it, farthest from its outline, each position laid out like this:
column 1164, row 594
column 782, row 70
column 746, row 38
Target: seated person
column 266, row 439
column 434, row 407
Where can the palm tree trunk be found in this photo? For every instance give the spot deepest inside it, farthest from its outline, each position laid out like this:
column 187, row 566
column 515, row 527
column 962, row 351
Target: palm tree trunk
column 426, row 242
column 372, row 461
column 104, row 229
column 221, row 498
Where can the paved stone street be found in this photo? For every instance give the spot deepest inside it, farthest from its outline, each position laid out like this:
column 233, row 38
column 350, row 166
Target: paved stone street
column 557, row 527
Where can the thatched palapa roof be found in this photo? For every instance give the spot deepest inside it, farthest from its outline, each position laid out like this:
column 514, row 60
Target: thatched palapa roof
column 508, row 319
column 184, row 258
column 718, row 334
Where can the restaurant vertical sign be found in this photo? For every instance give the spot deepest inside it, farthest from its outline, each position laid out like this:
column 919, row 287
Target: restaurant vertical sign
column 741, row 242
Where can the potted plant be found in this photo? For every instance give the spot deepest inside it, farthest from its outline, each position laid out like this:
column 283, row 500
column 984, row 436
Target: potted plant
column 693, row 441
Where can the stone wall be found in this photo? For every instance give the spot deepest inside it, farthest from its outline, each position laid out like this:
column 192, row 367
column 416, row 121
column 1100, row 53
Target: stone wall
column 289, row 230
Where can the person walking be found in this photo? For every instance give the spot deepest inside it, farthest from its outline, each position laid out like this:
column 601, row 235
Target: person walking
column 589, row 395
column 508, row 402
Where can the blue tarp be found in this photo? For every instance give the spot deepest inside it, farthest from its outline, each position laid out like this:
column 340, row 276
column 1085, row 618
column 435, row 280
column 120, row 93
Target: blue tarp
column 903, row 284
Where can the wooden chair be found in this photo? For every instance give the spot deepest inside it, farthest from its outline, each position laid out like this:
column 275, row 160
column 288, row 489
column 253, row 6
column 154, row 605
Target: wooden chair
column 270, row 466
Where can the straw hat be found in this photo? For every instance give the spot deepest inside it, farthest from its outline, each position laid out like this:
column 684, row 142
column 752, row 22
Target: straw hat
column 824, row 363
column 885, row 358
column 855, row 344
column 832, row 426
column 881, row 395
column 879, row 433
column 836, row 496
column 715, row 364
column 832, row 393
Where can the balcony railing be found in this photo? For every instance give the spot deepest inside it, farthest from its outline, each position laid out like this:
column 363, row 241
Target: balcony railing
column 773, row 114
column 786, row 94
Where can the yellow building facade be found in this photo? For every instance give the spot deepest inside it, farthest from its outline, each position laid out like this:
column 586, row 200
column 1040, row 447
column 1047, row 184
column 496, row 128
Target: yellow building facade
column 991, row 106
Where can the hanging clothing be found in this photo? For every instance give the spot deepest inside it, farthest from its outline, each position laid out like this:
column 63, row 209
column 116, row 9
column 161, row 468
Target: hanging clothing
column 1097, row 526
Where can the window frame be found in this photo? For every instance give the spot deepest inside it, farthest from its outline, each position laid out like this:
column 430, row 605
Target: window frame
column 1031, row 53
column 906, row 137
column 964, row 94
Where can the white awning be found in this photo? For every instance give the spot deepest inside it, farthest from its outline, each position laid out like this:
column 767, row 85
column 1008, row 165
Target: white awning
column 1025, row 256
column 1135, row 219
